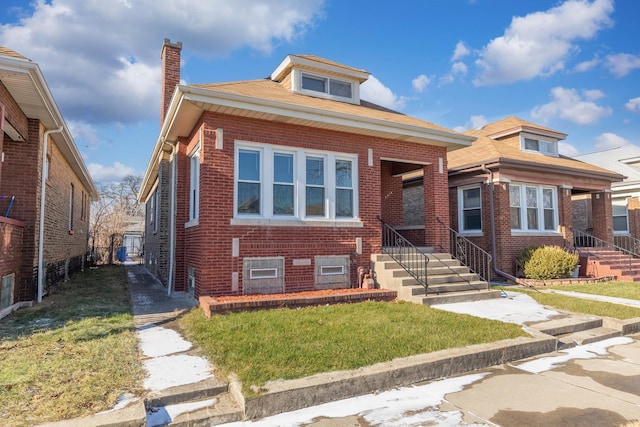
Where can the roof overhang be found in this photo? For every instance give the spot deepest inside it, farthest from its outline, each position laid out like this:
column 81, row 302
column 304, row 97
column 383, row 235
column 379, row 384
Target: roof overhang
column 188, row 104
column 531, row 130
column 26, row 84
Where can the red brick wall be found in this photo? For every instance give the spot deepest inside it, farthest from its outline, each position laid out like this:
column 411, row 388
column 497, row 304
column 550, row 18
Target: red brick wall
column 633, row 210
column 10, row 250
column 602, row 216
column 207, row 247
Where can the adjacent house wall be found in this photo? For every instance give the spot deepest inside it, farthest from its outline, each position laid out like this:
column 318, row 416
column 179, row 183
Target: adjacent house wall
column 156, row 240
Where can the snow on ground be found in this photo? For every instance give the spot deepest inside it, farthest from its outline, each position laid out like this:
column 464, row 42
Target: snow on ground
column 587, row 351
column 407, row 406
column 513, row 307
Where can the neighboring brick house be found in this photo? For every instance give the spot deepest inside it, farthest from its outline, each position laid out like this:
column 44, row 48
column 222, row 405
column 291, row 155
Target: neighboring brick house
column 512, row 189
column 276, row 185
column 625, row 195
column 37, row 148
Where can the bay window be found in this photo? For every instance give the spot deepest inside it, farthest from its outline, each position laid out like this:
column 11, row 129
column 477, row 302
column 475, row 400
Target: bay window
column 533, row 207
column 280, row 183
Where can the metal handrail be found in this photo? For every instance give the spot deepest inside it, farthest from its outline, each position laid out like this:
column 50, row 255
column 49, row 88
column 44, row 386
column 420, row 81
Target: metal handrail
column 468, row 253
column 584, row 241
column 406, row 254
column 629, row 243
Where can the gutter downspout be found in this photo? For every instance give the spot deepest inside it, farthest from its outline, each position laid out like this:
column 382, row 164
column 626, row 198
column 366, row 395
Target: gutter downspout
column 43, row 186
column 493, row 229
column 172, row 222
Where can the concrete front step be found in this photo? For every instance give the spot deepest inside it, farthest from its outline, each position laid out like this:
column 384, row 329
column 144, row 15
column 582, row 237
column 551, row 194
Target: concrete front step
column 416, row 289
column 224, row 409
column 586, row 337
column 567, row 325
column 201, row 390
column 455, row 297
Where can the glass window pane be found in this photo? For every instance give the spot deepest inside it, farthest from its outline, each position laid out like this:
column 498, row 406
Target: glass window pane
column 344, row 203
column 343, row 173
column 315, row 201
column 283, row 167
column 313, row 83
column 549, row 222
column 532, row 219
column 282, row 199
column 249, row 165
column 248, row 198
column 620, row 223
column 620, row 208
column 547, row 198
column 531, row 144
column 471, row 198
column 315, row 171
column 514, row 195
column 515, row 219
column 472, row 219
column 532, row 197
column 339, row 88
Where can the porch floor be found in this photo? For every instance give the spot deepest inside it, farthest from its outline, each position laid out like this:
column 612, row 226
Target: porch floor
column 295, row 299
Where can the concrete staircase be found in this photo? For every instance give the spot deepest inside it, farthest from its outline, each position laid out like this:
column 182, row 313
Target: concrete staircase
column 578, row 330
column 606, row 262
column 448, row 280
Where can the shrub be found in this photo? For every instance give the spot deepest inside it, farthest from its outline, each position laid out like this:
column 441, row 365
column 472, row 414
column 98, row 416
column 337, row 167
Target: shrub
column 549, row 262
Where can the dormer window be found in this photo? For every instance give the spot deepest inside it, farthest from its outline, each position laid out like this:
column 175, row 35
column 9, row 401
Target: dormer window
column 328, row 86
column 536, row 144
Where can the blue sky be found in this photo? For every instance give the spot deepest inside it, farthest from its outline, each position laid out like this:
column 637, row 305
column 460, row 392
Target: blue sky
column 572, row 65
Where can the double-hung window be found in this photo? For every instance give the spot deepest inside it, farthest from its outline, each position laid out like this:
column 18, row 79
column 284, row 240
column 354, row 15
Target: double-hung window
column 194, row 184
column 548, row 147
column 620, row 216
column 284, row 183
column 470, row 209
column 533, row 207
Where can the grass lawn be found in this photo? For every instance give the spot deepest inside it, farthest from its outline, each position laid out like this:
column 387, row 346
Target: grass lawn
column 629, row 290
column 72, row 355
column 579, row 305
column 262, row 346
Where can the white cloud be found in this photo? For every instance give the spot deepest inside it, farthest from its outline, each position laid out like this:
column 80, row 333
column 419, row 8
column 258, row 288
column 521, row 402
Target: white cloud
column 587, row 65
column 538, row 44
column 459, row 68
column 633, row 105
column 568, row 104
column 593, row 94
column 475, row 122
column 622, row 64
column 460, row 51
column 101, row 58
column 106, row 174
column 421, row 82
column 84, row 134
column 374, row 91
column 566, row 149
column 610, row 140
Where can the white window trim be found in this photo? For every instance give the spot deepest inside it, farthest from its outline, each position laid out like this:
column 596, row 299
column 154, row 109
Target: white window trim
column 626, row 205
column 194, row 187
column 474, row 231
column 540, row 209
column 553, row 142
column 332, row 270
column 266, row 217
column 296, row 86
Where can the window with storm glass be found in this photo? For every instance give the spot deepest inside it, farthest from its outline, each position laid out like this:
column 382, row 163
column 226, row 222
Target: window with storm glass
column 283, row 189
column 315, row 187
column 344, row 188
column 248, row 201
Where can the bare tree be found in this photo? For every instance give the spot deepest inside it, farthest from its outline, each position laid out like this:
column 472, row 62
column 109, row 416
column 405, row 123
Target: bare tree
column 117, row 208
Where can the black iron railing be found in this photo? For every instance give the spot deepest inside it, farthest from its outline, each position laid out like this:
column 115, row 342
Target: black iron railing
column 628, row 243
column 584, row 241
column 406, row 254
column 468, row 253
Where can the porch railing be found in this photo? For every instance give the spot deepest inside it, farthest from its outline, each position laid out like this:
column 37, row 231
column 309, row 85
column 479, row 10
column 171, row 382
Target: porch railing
column 468, row 253
column 583, row 241
column 406, row 254
column 629, row 243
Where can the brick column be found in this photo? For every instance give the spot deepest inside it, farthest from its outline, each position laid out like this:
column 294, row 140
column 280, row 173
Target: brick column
column 565, row 215
column 602, row 215
column 436, row 205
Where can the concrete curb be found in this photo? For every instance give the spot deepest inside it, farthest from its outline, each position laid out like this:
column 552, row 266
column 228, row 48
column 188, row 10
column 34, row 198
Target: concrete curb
column 290, row 395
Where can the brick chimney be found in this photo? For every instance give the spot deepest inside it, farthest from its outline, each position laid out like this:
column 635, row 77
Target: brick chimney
column 170, row 57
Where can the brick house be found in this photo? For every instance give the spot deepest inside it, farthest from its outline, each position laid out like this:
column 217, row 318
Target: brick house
column 276, row 185
column 512, row 189
column 625, row 195
column 39, row 159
